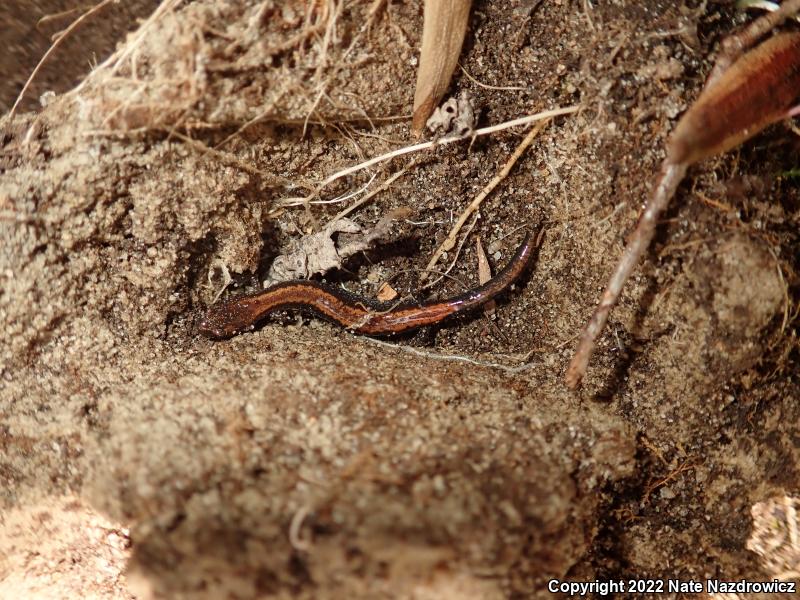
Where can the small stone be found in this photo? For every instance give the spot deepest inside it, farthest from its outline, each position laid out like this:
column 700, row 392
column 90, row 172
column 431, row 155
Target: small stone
column 667, row 493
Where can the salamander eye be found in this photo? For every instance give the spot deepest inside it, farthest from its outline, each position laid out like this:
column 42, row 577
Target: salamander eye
column 209, row 328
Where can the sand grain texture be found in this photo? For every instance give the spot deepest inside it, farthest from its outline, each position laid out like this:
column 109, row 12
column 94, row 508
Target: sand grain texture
column 301, row 461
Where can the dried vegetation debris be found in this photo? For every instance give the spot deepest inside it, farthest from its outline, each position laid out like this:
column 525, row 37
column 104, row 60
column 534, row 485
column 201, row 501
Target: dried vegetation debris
column 232, row 64
column 320, row 252
column 456, row 115
column 776, row 536
column 201, row 446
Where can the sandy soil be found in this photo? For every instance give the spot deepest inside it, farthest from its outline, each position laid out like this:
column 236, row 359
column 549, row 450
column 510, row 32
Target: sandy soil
column 139, row 459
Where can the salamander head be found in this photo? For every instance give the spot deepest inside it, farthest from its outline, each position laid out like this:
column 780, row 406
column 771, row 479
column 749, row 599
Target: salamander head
column 223, row 321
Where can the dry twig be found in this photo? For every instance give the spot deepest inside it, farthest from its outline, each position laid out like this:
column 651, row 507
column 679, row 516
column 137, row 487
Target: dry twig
column 450, row 240
column 381, row 188
column 443, row 30
column 510, row 88
column 453, row 262
column 757, row 90
column 547, row 114
column 671, row 175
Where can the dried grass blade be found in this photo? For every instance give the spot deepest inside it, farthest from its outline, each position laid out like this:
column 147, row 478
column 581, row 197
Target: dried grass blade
column 444, row 27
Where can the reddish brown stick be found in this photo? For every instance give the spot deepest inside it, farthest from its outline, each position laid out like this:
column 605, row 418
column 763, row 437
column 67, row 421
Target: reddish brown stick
column 757, row 90
column 671, row 175
column 443, row 29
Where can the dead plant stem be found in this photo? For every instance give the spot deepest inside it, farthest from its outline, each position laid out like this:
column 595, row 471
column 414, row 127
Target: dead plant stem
column 450, row 240
column 548, row 114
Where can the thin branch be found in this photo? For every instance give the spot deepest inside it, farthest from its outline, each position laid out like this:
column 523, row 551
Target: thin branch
column 453, row 357
column 548, row 114
column 384, row 186
column 457, row 253
column 671, row 175
column 450, row 240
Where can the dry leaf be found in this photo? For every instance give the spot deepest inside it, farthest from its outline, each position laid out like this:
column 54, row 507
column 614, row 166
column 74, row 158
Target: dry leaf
column 386, row 293
column 319, row 253
column 484, row 274
column 456, row 115
column 443, row 30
